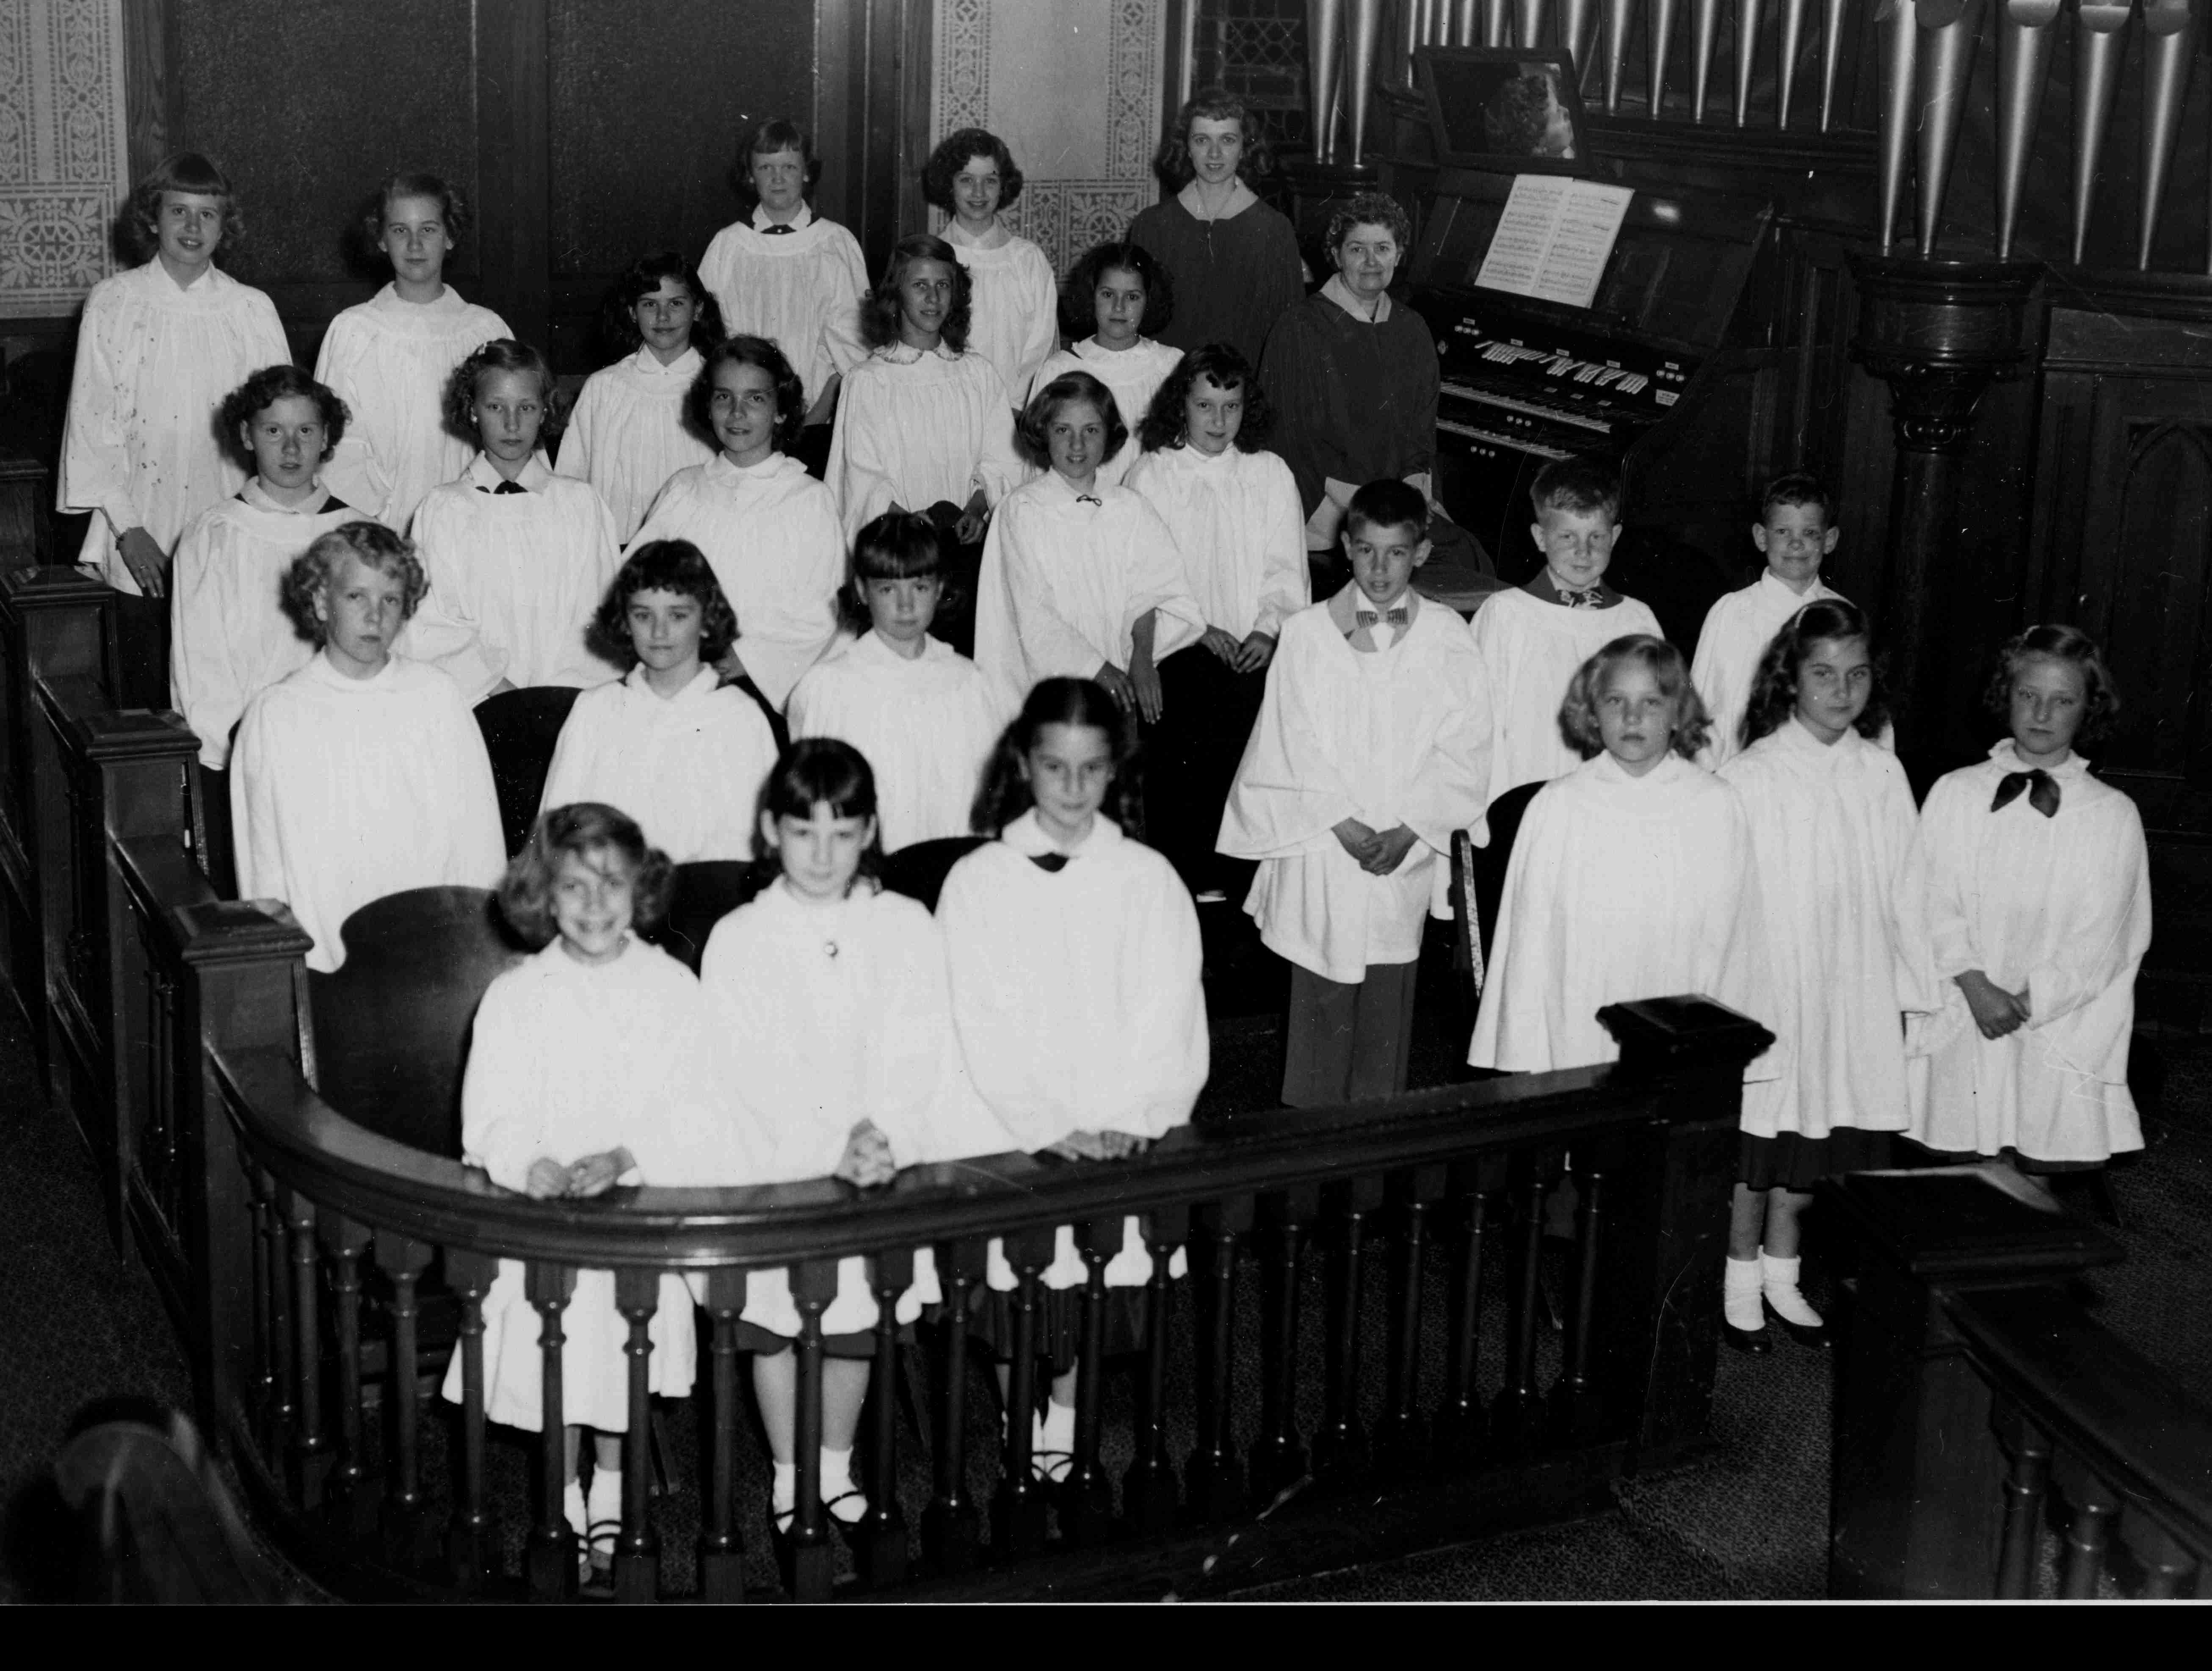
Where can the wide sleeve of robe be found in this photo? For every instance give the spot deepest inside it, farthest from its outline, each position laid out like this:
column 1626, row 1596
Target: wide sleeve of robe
column 354, row 472
column 95, row 461
column 1019, row 627
column 1289, row 794
column 1296, row 373
column 862, row 471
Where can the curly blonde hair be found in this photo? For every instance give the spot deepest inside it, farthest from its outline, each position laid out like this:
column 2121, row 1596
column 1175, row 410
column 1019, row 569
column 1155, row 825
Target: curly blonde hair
column 376, row 545
column 1578, row 724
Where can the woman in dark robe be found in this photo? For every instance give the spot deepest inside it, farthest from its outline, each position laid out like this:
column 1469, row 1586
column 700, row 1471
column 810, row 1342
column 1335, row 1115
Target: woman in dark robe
column 1234, row 260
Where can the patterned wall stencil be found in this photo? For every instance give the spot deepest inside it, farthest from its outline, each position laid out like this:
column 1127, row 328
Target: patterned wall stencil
column 65, row 163
column 1074, row 89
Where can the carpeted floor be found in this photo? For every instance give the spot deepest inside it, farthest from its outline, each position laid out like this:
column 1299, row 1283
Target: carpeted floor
column 80, row 1325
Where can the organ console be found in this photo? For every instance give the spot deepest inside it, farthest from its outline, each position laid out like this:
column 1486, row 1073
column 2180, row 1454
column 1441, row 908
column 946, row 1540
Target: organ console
column 1526, row 380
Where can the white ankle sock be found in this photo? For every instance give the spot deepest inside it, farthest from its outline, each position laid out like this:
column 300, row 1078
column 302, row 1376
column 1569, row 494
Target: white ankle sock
column 837, row 1479
column 785, row 1490
column 606, row 1498
column 572, row 1508
column 1779, row 1277
column 1740, row 1294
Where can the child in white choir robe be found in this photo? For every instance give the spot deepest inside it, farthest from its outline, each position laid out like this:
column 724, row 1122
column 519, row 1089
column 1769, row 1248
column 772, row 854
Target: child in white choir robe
column 630, row 430
column 1533, row 640
column 671, row 745
column 1232, row 510
column 832, row 994
column 230, row 636
column 1795, row 533
column 1115, row 292
column 1833, row 840
column 518, row 558
column 2038, row 915
column 1372, row 749
column 159, row 347
column 923, row 714
column 971, row 176
column 1074, row 956
column 1080, row 579
column 390, row 357
column 922, row 422
column 362, row 774
column 769, row 529
column 590, row 1064
column 785, row 273
column 1631, row 876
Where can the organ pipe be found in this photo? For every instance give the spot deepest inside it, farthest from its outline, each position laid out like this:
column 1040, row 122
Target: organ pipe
column 2169, row 47
column 1747, row 21
column 2099, row 41
column 1832, row 59
column 1705, row 41
column 1578, row 33
column 1900, row 46
column 1951, row 29
column 1796, row 18
column 1467, row 23
column 1619, row 15
column 1659, row 48
column 1364, row 47
column 1324, row 30
column 1529, row 23
column 1497, row 22
column 2025, row 33
column 1413, row 31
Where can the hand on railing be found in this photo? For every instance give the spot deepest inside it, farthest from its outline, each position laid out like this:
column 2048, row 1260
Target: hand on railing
column 1098, row 1146
column 867, row 1162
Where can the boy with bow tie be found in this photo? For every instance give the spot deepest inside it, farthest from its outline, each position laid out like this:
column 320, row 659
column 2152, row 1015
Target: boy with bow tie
column 1532, row 640
column 1372, row 746
column 2037, row 915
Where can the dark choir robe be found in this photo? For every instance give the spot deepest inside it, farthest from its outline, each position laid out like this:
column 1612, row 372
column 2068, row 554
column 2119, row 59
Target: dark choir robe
column 1233, row 276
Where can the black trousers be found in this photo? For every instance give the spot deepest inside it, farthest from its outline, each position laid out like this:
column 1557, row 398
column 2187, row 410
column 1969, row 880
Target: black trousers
column 1191, row 757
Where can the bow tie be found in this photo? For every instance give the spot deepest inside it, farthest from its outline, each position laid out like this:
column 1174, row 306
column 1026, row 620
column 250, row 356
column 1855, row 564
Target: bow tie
column 1052, row 863
column 1593, row 597
column 504, row 487
column 2042, row 791
column 1089, row 499
column 1368, row 618
column 777, row 229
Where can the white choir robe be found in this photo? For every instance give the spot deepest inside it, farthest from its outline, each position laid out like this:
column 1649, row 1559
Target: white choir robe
column 1076, row 997
column 925, row 727
column 1237, row 523
column 568, row 1060
column 627, row 435
column 1014, row 314
column 345, row 790
column 153, row 363
column 915, row 428
column 1395, row 736
column 390, row 361
column 1738, row 628
column 229, row 636
column 688, row 767
column 801, row 289
column 1621, row 888
column 770, row 532
column 515, row 579
column 1132, row 375
column 833, row 1014
column 1532, row 648
column 1066, row 578
column 2061, row 907
column 1834, row 840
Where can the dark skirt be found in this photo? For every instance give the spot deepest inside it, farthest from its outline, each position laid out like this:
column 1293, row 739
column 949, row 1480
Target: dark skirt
column 1059, row 1323
column 1788, row 1161
column 1921, row 1155
column 766, row 1343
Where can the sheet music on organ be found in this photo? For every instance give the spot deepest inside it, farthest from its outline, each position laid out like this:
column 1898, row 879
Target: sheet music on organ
column 1553, row 239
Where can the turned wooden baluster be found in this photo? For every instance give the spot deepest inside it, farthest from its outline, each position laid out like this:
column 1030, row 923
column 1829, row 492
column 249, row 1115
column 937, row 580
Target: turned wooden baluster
column 311, row 1446
column 721, row 1552
column 1148, row 1489
column 1279, row 1460
column 354, row 1503
column 2029, row 1449
column 2167, row 1564
column 408, row 1536
column 471, row 1541
column 1340, row 1445
column 1576, row 1413
column 1086, row 1497
column 2088, row 1531
column 811, row 1564
column 1461, row 1423
column 1018, row 1512
column 550, row 1556
column 1215, row 1476
column 1401, row 1440
column 880, row 1541
column 273, row 1290
column 1513, row 1414
column 637, row 1547
column 951, row 1529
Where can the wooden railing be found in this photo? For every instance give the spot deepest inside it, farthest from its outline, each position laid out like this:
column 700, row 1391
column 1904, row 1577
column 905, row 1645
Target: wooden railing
column 1974, row 1389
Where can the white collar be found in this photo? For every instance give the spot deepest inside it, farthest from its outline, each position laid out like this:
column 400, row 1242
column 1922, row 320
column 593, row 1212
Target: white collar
column 906, row 354
column 706, row 681
column 1670, row 766
column 482, row 473
column 646, row 363
column 1241, row 197
column 256, row 494
column 326, row 672
column 996, row 239
column 762, row 220
column 1027, row 837
column 1064, row 491
column 876, row 647
column 1092, row 348
column 2006, row 757
column 1782, row 588
column 1340, row 293
column 722, row 467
